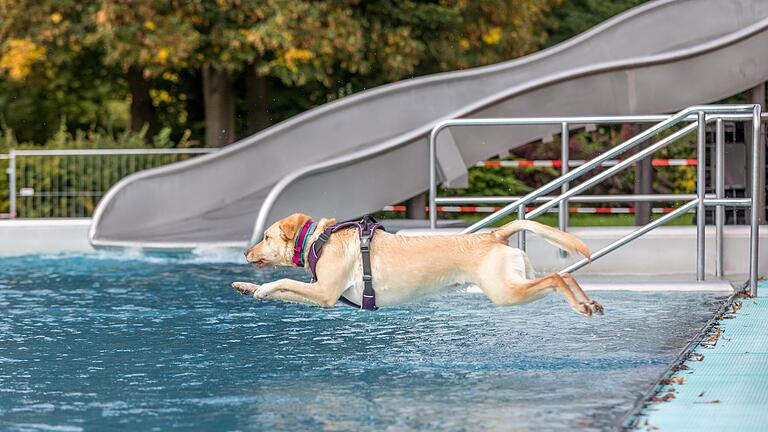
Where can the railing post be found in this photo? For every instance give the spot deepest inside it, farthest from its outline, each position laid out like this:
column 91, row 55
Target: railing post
column 700, row 192
column 433, row 177
column 719, row 194
column 12, row 182
column 564, row 161
column 521, row 233
column 754, row 229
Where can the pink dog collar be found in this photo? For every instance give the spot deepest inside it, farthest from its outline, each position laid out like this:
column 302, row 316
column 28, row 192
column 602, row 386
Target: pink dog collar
column 301, row 242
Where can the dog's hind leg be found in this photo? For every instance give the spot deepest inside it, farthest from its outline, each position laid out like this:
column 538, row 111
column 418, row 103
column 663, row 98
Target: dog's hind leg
column 513, row 293
column 571, row 281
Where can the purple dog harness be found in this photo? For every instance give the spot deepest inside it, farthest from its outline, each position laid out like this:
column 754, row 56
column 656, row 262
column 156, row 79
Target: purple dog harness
column 366, row 227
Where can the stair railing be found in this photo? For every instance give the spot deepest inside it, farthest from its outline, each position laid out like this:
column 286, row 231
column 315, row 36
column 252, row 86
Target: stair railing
column 701, row 201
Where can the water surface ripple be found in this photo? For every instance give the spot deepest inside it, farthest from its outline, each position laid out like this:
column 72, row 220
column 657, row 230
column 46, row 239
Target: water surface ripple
column 127, row 343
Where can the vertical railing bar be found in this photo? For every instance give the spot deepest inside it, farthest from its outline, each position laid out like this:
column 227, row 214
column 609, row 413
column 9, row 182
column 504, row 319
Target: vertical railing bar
column 564, row 161
column 38, row 185
column 700, row 192
column 90, row 167
column 12, row 182
column 521, row 234
column 433, row 177
column 65, row 186
column 80, row 209
column 27, row 182
column 55, row 206
column 48, row 187
column 719, row 194
column 754, row 227
column 103, row 163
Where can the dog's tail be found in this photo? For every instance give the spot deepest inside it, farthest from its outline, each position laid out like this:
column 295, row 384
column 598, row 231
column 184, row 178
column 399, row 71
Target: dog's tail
column 562, row 240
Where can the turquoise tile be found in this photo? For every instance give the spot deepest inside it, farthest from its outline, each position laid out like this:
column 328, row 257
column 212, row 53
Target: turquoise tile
column 727, row 388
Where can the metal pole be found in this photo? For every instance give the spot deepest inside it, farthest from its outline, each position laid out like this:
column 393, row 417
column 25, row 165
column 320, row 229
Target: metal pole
column 754, row 232
column 12, row 182
column 720, row 194
column 433, row 177
column 564, row 160
column 521, row 233
column 700, row 192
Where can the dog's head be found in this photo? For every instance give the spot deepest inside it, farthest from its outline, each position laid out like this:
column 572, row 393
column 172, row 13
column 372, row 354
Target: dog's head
column 276, row 248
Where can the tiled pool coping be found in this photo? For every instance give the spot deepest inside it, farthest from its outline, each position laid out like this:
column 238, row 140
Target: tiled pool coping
column 721, row 380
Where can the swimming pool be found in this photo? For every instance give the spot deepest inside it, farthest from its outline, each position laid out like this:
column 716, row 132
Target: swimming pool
column 126, row 342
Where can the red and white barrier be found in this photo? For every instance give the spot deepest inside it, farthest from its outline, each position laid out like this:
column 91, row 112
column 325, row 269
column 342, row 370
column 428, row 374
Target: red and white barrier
column 488, row 209
column 576, row 162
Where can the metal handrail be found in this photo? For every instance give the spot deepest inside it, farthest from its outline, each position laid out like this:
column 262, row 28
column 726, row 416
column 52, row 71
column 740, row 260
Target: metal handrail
column 700, row 113
column 576, row 120
column 104, row 152
column 558, row 182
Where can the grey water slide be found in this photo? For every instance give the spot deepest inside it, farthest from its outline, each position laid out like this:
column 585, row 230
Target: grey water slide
column 368, row 150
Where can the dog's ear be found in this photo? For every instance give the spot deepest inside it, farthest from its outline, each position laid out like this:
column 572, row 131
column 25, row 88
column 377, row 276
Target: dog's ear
column 291, row 225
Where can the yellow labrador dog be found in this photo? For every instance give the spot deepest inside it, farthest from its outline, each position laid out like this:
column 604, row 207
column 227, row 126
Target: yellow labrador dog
column 405, row 268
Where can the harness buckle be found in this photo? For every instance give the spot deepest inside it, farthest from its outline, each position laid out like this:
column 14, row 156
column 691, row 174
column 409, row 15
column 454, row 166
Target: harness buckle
column 367, row 278
column 369, row 302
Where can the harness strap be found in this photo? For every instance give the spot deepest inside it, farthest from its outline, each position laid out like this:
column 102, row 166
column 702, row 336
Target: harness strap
column 366, row 228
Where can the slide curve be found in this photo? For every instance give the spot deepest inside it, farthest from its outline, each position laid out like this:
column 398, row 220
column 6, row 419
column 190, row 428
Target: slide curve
column 368, row 150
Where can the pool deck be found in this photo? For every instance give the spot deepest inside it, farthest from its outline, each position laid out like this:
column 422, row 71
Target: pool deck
column 720, row 382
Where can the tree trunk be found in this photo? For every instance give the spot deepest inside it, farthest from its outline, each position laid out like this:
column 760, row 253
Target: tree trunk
column 219, row 101
column 142, row 111
column 257, row 102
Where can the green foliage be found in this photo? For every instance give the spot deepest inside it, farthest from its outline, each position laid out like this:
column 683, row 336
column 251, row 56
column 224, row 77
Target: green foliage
column 575, row 16
column 66, row 59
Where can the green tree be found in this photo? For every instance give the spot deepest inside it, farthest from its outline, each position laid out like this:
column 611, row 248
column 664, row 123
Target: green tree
column 156, row 56
column 49, row 73
column 575, row 16
column 143, row 39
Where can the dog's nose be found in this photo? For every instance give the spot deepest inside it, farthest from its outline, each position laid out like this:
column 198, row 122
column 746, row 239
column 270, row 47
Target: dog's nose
column 246, row 254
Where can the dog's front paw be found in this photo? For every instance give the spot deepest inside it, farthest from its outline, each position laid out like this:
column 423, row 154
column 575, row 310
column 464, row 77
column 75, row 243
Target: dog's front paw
column 245, row 288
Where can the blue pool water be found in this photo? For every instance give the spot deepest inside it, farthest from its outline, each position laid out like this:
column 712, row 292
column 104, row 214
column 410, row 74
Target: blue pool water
column 120, row 342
